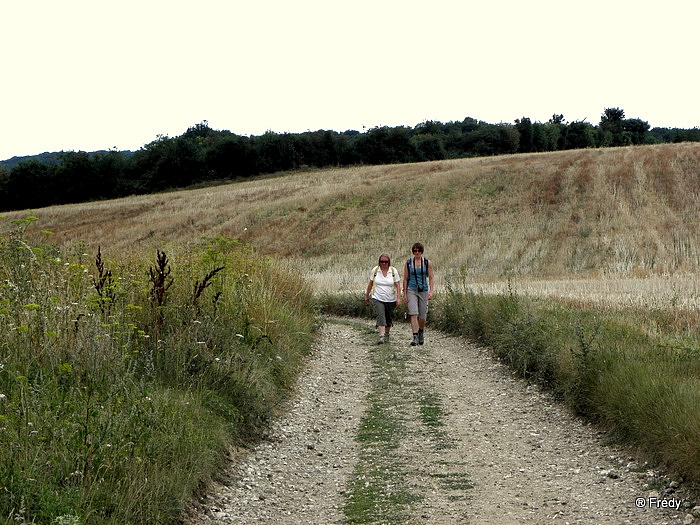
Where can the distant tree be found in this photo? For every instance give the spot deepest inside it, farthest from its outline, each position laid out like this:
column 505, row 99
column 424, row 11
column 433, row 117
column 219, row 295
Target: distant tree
column 636, row 130
column 611, row 128
column 470, row 124
column 402, row 149
column 169, row 163
column 231, row 157
column 429, row 127
column 579, row 134
column 112, row 172
column 491, row 139
column 384, row 145
column 30, row 184
column 321, row 148
column 551, row 138
column 347, row 148
column 276, row 152
column 556, row 119
column 509, row 139
column 554, row 133
column 76, row 178
column 452, row 139
column 429, row 147
column 201, row 130
column 527, row 135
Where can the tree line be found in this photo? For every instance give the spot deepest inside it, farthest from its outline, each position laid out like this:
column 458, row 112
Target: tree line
column 204, row 155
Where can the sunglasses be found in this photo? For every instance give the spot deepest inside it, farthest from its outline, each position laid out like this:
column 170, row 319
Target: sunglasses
column 417, row 251
column 384, row 262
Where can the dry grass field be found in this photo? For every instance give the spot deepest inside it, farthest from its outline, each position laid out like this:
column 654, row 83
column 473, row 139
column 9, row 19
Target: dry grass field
column 617, row 226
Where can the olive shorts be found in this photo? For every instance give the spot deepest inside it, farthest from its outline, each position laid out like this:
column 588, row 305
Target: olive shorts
column 384, row 312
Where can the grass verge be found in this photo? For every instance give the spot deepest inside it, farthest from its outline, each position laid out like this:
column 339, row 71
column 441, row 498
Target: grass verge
column 636, row 372
column 122, row 382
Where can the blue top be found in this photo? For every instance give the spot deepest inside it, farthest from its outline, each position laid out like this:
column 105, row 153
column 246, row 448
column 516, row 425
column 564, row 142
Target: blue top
column 417, row 276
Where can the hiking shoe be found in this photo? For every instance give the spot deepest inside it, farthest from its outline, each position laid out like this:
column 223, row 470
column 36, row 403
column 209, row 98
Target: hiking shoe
column 380, row 341
column 415, row 340
column 421, row 337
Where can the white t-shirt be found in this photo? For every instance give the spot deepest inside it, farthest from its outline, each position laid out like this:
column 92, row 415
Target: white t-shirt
column 385, row 287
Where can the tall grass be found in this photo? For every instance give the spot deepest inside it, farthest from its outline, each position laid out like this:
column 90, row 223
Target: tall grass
column 123, row 382
column 633, row 371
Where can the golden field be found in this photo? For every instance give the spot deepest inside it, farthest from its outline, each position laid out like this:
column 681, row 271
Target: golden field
column 615, row 226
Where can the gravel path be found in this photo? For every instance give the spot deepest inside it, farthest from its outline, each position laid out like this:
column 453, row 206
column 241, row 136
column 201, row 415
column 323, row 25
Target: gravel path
column 436, row 434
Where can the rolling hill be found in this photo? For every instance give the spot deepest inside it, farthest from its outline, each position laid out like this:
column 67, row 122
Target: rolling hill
column 581, row 214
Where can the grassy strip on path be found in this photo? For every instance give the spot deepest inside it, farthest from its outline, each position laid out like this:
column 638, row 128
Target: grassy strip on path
column 401, row 435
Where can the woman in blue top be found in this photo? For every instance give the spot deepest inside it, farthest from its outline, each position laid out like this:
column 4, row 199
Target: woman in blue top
column 418, row 286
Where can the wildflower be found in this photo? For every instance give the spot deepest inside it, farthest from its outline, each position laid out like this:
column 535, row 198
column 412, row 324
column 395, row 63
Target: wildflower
column 2, row 396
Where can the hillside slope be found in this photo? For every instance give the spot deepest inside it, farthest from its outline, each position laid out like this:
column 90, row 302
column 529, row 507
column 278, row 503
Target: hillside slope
column 584, row 213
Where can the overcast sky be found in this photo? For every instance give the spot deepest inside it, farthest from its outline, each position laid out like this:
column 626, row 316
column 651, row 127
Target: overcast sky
column 97, row 74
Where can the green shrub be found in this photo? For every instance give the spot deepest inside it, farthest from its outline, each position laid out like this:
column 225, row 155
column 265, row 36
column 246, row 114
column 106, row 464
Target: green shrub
column 625, row 369
column 122, row 383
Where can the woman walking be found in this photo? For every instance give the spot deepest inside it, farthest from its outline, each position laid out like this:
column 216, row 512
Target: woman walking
column 384, row 288
column 418, row 286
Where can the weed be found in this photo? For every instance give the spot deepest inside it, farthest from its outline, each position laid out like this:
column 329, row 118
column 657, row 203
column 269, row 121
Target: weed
column 200, row 286
column 104, row 285
column 160, row 283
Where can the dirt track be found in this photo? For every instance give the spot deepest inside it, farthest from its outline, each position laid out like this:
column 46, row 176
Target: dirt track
column 437, row 434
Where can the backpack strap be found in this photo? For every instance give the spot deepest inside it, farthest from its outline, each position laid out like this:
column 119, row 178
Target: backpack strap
column 374, row 278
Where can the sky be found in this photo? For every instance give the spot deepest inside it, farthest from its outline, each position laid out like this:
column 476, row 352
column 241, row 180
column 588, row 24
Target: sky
column 87, row 75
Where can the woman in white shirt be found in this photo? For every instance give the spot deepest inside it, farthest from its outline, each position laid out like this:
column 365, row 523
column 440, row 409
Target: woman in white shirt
column 384, row 288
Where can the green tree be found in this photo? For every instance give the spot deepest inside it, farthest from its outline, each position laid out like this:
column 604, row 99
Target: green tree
column 170, row 162
column 429, row 147
column 580, row 134
column 112, row 169
column 527, row 135
column 76, row 177
column 30, row 184
column 611, row 128
column 636, row 130
column 384, row 145
column 231, row 157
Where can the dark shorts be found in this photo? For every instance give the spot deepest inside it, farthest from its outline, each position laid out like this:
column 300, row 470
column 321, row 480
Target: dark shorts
column 384, row 312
